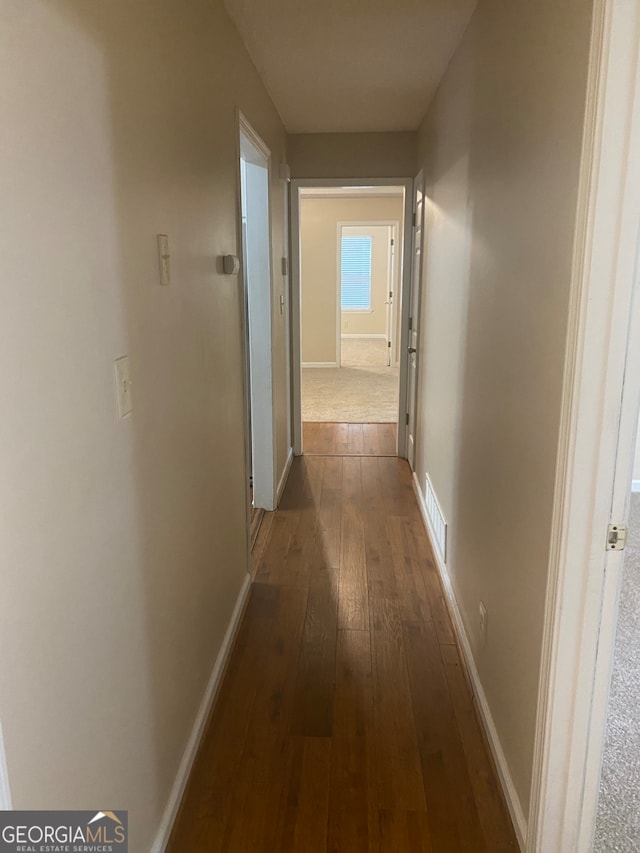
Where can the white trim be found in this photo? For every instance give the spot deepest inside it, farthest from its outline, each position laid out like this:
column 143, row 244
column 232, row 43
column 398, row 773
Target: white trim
column 285, row 474
column 253, row 135
column 296, row 319
column 363, row 337
column 345, row 193
column 369, row 223
column 5, row 790
column 202, row 717
column 508, row 788
column 580, row 612
column 339, row 294
column 286, row 289
column 404, row 251
column 320, row 364
column 410, row 422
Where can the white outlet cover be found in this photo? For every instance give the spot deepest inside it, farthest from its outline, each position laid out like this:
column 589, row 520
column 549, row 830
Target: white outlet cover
column 123, row 386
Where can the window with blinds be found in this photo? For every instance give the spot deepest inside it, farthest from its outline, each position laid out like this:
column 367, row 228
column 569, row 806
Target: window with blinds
column 355, row 274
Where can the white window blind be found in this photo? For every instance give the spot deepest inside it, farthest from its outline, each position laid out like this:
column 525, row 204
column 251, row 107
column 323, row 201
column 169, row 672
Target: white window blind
column 355, row 273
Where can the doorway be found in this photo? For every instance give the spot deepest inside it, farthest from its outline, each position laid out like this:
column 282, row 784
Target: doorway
column 256, row 266
column 348, row 281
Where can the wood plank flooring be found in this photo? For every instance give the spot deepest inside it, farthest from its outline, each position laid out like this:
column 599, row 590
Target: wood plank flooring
column 335, row 439
column 345, row 723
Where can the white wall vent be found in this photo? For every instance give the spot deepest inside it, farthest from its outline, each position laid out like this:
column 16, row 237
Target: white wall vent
column 436, row 519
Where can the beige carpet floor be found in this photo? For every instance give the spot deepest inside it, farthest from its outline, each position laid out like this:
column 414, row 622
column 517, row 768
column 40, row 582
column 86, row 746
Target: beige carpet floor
column 363, row 390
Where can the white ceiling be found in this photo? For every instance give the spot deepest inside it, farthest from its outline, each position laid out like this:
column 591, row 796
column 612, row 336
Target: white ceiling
column 351, row 65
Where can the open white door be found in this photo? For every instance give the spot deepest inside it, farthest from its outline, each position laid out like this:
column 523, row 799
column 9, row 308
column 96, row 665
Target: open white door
column 256, row 276
column 414, row 316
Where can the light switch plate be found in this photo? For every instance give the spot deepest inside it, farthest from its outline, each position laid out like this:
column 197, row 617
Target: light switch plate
column 123, row 386
column 164, row 259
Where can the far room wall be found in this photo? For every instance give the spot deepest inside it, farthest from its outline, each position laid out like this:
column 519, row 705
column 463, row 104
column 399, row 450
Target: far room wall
column 319, row 218
column 352, row 155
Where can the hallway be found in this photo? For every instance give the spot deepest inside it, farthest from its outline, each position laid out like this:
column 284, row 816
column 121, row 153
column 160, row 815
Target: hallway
column 344, row 722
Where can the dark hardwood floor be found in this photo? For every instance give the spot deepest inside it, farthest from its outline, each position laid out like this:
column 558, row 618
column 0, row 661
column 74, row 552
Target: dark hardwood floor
column 345, row 722
column 335, row 439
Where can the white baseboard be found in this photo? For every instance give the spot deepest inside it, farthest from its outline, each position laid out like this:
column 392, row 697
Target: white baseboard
column 509, row 790
column 5, row 791
column 319, row 363
column 285, row 475
column 365, row 337
column 188, row 758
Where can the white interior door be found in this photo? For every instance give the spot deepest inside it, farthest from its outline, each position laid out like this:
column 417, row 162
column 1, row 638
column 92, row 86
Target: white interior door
column 254, row 175
column 414, row 316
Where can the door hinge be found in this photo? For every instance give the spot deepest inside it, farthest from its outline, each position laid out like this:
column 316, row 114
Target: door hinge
column 410, row 323
column 616, row 537
column 407, row 419
column 415, row 219
column 389, row 344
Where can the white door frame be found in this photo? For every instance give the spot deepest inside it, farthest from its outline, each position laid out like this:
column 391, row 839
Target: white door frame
column 364, row 223
column 265, row 411
column 296, row 314
column 416, row 320
column 581, row 610
column 392, row 307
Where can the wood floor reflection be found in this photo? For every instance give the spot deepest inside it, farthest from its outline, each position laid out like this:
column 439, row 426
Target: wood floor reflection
column 345, row 722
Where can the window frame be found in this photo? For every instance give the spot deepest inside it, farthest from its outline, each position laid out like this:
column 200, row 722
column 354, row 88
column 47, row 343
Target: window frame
column 355, row 309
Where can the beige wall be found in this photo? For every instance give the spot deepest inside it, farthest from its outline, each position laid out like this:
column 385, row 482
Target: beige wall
column 122, row 543
column 319, row 219
column 500, row 147
column 352, row 155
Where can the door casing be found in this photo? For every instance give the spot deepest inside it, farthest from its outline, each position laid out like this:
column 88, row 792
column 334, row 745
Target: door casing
column 600, row 399
column 415, row 309
column 262, row 408
column 295, row 295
